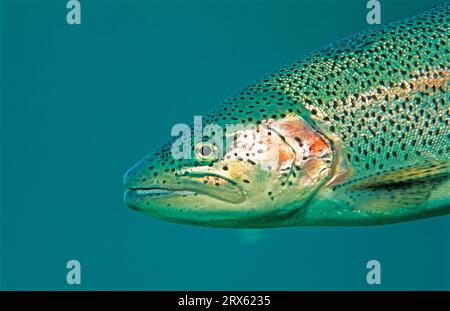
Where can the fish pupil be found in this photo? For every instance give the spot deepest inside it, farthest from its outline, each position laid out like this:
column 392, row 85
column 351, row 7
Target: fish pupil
column 205, row 151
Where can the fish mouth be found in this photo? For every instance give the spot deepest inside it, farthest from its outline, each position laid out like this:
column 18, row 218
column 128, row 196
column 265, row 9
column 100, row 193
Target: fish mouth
column 187, row 186
column 156, row 191
column 134, row 195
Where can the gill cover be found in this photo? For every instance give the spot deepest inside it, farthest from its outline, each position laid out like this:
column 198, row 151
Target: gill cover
column 311, row 162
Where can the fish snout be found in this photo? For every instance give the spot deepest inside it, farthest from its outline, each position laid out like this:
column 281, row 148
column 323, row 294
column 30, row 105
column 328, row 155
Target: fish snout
column 135, row 177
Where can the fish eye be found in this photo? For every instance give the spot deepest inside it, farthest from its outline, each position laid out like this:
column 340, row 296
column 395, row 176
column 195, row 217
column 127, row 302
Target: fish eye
column 205, row 151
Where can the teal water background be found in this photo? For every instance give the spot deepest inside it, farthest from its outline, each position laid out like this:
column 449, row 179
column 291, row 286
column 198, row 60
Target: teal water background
column 81, row 104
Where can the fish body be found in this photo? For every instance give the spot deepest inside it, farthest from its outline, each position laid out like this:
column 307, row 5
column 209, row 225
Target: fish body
column 355, row 133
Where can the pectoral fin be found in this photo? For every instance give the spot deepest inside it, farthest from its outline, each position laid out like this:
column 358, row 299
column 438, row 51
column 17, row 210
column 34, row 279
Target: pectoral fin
column 406, row 187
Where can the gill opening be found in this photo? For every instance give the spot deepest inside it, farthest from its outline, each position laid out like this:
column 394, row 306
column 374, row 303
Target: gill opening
column 291, row 168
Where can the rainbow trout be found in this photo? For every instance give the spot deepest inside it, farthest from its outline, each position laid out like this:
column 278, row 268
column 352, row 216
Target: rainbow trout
column 355, row 133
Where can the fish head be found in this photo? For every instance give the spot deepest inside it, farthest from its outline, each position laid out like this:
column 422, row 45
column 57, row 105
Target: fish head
column 235, row 176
